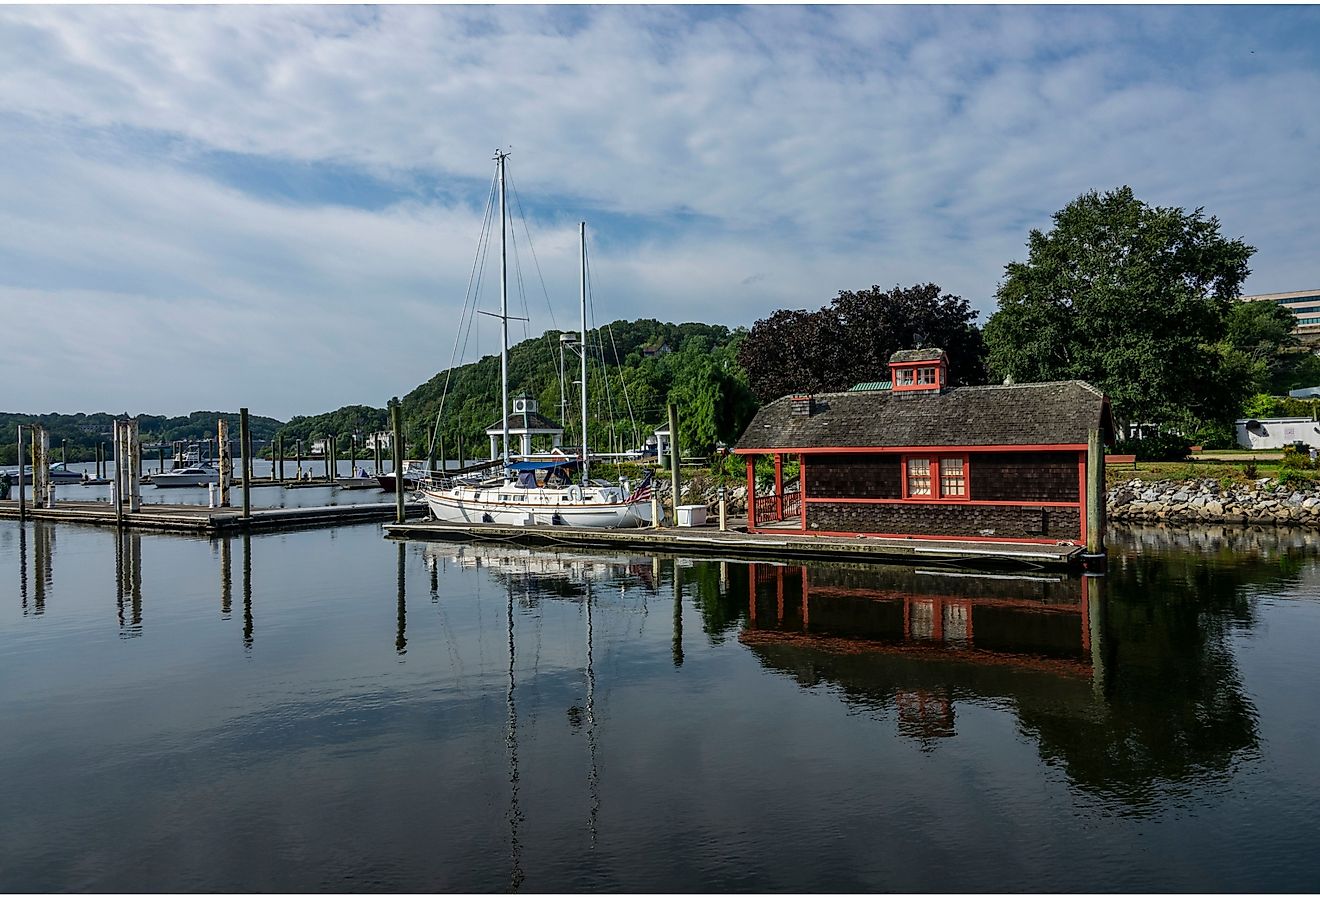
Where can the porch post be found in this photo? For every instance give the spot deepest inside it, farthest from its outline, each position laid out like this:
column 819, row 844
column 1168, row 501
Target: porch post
column 751, row 492
column 779, row 486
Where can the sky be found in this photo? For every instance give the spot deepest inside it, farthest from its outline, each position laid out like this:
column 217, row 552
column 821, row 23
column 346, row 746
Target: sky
column 279, row 207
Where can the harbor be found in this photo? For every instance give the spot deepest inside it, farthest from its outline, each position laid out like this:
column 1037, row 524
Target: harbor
column 351, row 713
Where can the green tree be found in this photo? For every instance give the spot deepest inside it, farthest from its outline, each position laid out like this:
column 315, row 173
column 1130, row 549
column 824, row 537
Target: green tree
column 1132, row 298
column 851, row 340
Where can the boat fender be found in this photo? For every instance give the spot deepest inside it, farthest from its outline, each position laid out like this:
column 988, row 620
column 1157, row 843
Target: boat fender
column 574, row 493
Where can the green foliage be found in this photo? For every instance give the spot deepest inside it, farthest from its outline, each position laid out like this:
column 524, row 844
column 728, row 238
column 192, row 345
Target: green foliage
column 1296, row 458
column 1156, row 447
column 1132, row 298
column 1293, row 476
column 850, row 340
column 1296, row 370
column 648, row 363
column 1262, row 405
column 1262, row 332
column 343, row 422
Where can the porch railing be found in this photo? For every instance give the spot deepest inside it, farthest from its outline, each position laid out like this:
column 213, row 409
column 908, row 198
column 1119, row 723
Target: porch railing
column 771, row 509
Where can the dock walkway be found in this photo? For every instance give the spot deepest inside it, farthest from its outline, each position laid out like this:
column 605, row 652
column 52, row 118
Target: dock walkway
column 710, row 540
column 204, row 520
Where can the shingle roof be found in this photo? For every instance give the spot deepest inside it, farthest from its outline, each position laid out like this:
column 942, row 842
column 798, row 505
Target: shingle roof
column 1004, row 415
column 917, row 355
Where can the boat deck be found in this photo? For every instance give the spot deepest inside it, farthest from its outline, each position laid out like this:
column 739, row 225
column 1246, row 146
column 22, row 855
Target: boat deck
column 709, row 540
column 201, row 519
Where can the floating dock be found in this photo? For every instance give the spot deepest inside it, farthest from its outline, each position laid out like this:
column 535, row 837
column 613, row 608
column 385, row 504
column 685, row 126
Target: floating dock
column 734, row 543
column 201, row 519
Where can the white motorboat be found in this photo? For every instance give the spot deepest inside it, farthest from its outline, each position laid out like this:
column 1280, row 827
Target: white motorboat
column 194, row 475
column 516, row 498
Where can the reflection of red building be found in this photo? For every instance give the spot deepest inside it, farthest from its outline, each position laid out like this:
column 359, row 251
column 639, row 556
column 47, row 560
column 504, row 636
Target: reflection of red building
column 1029, row 622
column 913, row 457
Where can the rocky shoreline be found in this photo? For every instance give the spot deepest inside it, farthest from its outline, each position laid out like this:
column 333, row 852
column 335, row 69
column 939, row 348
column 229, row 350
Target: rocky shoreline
column 1262, row 501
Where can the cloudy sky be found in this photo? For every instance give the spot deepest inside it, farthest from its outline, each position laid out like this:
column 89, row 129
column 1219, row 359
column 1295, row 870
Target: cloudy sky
column 279, row 207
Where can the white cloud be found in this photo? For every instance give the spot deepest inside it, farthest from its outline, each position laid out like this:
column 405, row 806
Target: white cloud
column 811, row 150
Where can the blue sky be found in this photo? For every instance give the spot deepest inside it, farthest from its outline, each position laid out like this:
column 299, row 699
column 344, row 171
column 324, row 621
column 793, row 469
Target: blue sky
column 278, row 207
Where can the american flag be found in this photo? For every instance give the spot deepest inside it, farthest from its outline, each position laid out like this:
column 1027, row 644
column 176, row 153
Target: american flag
column 644, row 489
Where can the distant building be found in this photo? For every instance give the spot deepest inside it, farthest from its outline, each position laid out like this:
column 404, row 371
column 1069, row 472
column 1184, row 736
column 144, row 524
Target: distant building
column 382, row 438
column 1275, row 433
column 1305, row 306
column 655, row 350
column 524, row 424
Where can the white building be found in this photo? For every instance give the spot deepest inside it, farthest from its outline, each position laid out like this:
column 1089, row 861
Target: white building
column 1275, row 433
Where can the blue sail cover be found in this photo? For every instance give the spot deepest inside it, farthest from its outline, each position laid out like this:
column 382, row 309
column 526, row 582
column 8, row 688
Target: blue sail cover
column 542, row 465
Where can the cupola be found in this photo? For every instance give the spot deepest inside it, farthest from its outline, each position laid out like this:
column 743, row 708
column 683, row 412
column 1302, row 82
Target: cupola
column 524, row 404
column 919, row 370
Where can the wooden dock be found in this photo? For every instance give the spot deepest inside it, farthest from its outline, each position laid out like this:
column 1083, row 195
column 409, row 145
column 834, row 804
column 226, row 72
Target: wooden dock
column 203, row 520
column 740, row 544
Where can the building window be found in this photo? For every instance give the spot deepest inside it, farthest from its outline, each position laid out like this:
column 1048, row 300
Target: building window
column 935, row 477
column 903, row 377
column 926, row 376
column 918, row 477
column 953, row 478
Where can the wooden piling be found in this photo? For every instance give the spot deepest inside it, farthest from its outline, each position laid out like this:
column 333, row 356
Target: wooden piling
column 396, row 423
column 245, row 446
column 279, row 449
column 376, row 447
column 161, row 463
column 298, row 449
column 1095, row 494
column 226, row 462
column 119, row 474
column 673, row 459
column 352, row 455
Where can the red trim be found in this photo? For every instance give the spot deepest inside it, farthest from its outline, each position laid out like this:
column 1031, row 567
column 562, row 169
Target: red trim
column 928, row 537
column 751, row 494
column 1006, row 504
column 779, row 487
column 916, row 450
column 802, row 493
column 936, row 488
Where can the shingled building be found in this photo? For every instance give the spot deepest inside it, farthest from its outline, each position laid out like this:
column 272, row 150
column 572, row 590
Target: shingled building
column 913, row 457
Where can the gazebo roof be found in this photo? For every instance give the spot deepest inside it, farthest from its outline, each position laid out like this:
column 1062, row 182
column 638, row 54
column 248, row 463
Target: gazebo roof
column 526, row 422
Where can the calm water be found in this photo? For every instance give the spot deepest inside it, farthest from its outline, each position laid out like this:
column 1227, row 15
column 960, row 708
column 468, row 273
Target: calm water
column 331, row 710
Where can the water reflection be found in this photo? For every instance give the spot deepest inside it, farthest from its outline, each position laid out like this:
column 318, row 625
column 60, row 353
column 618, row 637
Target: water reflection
column 128, row 582
column 1132, row 693
column 401, row 630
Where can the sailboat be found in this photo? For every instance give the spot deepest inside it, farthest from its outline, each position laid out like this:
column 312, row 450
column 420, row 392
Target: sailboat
column 515, row 498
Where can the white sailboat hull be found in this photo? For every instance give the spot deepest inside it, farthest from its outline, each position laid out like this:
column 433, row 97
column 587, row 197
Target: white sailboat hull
column 549, row 508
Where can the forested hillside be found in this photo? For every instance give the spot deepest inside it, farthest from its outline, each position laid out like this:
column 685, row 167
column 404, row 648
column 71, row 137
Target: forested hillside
column 635, row 365
column 81, row 432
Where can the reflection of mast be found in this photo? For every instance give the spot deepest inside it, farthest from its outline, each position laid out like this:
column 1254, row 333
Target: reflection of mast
column 401, row 632
column 511, row 740
column 593, row 774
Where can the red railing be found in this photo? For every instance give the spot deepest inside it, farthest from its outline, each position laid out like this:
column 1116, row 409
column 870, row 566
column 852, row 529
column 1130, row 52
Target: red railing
column 770, row 509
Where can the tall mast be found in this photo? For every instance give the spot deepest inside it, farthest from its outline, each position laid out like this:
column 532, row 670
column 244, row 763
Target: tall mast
column 582, row 232
column 504, row 317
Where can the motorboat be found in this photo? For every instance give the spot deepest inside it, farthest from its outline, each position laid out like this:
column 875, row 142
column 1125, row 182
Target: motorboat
column 193, row 475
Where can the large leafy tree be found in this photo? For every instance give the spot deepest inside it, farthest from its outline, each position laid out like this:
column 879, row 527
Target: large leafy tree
column 851, row 339
column 1134, row 299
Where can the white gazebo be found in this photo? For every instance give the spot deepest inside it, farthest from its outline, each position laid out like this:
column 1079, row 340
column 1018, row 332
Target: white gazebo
column 525, row 423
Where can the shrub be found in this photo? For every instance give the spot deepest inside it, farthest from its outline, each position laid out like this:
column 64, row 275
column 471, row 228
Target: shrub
column 1156, row 447
column 1296, row 458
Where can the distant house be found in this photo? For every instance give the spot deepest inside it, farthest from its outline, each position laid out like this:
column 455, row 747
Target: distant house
column 381, row 438
column 654, row 350
column 1275, row 433
column 913, row 457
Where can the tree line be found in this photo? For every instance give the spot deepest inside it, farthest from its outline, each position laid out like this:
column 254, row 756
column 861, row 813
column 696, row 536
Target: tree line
column 1138, row 300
